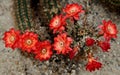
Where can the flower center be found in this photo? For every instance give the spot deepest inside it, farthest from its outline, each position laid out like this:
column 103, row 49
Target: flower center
column 56, row 22
column 44, row 51
column 110, row 30
column 29, row 41
column 82, row 32
column 61, row 44
column 12, row 38
column 72, row 10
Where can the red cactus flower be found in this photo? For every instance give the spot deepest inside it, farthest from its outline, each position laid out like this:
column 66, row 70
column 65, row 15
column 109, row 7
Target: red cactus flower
column 73, row 10
column 93, row 64
column 109, row 30
column 73, row 52
column 89, row 41
column 62, row 43
column 43, row 50
column 11, row 38
column 28, row 41
column 57, row 23
column 105, row 46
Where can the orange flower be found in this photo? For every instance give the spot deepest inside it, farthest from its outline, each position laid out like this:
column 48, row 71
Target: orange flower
column 11, row 38
column 73, row 10
column 62, row 43
column 73, row 52
column 89, row 41
column 28, row 41
column 57, row 23
column 43, row 50
column 92, row 64
column 109, row 30
column 105, row 46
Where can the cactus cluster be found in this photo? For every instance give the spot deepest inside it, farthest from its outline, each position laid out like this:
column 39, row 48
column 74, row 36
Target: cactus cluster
column 63, row 37
column 28, row 12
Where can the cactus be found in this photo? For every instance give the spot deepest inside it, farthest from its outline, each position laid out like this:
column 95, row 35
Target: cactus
column 28, row 12
column 22, row 14
column 112, row 2
column 113, row 5
column 115, row 2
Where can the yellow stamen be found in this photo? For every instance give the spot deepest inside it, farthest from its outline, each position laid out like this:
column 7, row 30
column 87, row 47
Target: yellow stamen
column 29, row 41
column 12, row 38
column 43, row 51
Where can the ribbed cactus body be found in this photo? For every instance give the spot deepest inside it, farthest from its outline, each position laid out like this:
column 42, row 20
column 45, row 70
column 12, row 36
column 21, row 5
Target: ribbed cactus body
column 23, row 14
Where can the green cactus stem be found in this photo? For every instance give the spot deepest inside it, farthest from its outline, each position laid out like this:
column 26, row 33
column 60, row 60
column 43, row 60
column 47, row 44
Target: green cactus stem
column 22, row 14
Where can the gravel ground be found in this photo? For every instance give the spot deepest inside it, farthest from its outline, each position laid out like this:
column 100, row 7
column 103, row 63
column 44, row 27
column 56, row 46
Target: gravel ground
column 14, row 63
